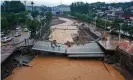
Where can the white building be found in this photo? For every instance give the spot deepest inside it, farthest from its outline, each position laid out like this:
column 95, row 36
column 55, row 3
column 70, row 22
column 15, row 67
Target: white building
column 64, row 8
column 60, row 9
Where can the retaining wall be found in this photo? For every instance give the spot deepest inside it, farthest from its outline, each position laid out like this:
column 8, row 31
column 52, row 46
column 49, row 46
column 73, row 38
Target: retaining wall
column 125, row 60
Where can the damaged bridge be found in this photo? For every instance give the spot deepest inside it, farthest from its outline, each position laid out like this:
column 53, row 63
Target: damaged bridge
column 91, row 49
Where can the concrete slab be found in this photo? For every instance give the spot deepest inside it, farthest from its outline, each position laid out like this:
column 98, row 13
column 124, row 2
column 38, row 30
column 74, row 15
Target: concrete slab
column 46, row 46
column 88, row 48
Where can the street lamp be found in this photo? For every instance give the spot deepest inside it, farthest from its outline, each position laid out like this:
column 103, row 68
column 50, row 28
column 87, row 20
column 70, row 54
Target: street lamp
column 105, row 25
column 96, row 21
column 32, row 3
column 120, row 27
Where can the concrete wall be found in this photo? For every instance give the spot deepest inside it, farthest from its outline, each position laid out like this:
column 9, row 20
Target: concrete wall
column 125, row 60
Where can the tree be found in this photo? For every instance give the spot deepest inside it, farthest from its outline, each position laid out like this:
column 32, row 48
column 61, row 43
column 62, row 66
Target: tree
column 12, row 19
column 115, row 24
column 22, row 16
column 35, row 13
column 43, row 10
column 42, row 14
column 4, row 23
column 13, row 13
column 13, row 6
column 48, row 16
column 33, row 26
column 131, row 33
column 125, row 28
column 43, row 21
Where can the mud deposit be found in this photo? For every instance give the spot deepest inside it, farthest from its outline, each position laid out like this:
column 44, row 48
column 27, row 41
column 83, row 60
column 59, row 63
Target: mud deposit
column 62, row 68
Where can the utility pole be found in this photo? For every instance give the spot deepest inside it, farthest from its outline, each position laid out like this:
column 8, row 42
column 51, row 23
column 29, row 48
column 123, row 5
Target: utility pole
column 105, row 23
column 120, row 32
column 105, row 34
column 96, row 21
column 32, row 3
column 89, row 9
column 25, row 4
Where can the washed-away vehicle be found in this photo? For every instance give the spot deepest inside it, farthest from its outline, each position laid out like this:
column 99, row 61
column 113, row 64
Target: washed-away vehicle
column 6, row 39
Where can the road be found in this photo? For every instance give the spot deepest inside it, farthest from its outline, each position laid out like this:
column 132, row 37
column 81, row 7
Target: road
column 7, row 48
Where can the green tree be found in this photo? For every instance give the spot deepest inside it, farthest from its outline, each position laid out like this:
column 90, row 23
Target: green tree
column 48, row 16
column 43, row 21
column 35, row 13
column 125, row 28
column 33, row 26
column 42, row 14
column 13, row 6
column 115, row 24
column 22, row 17
column 130, row 31
column 4, row 23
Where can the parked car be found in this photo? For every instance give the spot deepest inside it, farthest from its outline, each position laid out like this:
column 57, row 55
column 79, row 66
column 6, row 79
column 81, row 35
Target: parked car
column 2, row 34
column 17, row 34
column 17, row 28
column 6, row 39
column 25, row 29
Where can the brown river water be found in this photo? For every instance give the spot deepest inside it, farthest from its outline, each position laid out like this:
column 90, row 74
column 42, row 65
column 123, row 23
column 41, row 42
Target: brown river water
column 63, row 68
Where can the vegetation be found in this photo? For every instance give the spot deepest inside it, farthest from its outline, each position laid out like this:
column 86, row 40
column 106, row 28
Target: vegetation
column 87, row 13
column 33, row 26
column 12, row 6
column 13, row 14
column 48, row 16
column 9, row 20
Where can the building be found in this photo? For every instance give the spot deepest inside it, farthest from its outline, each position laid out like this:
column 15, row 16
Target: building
column 63, row 8
column 60, row 9
column 37, row 8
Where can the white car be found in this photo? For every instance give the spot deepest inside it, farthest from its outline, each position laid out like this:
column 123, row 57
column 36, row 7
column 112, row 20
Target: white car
column 2, row 34
column 17, row 34
column 18, row 29
column 6, row 39
column 25, row 29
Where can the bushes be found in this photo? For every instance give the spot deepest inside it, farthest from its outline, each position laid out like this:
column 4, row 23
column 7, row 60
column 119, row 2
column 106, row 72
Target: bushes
column 83, row 17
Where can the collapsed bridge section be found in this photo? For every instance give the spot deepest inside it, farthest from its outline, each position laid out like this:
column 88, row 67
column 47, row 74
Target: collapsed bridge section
column 91, row 49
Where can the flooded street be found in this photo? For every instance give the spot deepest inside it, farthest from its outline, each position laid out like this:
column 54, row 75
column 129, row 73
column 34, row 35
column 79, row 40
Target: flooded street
column 60, row 32
column 63, row 68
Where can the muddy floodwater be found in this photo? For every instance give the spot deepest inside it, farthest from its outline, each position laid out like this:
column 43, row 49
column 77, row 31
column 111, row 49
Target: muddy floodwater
column 62, row 68
column 60, row 32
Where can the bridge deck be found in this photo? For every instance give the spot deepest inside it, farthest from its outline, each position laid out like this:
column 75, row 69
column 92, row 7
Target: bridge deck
column 87, row 50
column 91, row 49
column 46, row 46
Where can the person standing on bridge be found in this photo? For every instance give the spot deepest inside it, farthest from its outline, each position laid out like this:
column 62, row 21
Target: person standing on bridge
column 25, row 41
column 53, row 44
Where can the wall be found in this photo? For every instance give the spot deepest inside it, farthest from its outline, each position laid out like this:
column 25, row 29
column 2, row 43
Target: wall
column 125, row 60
